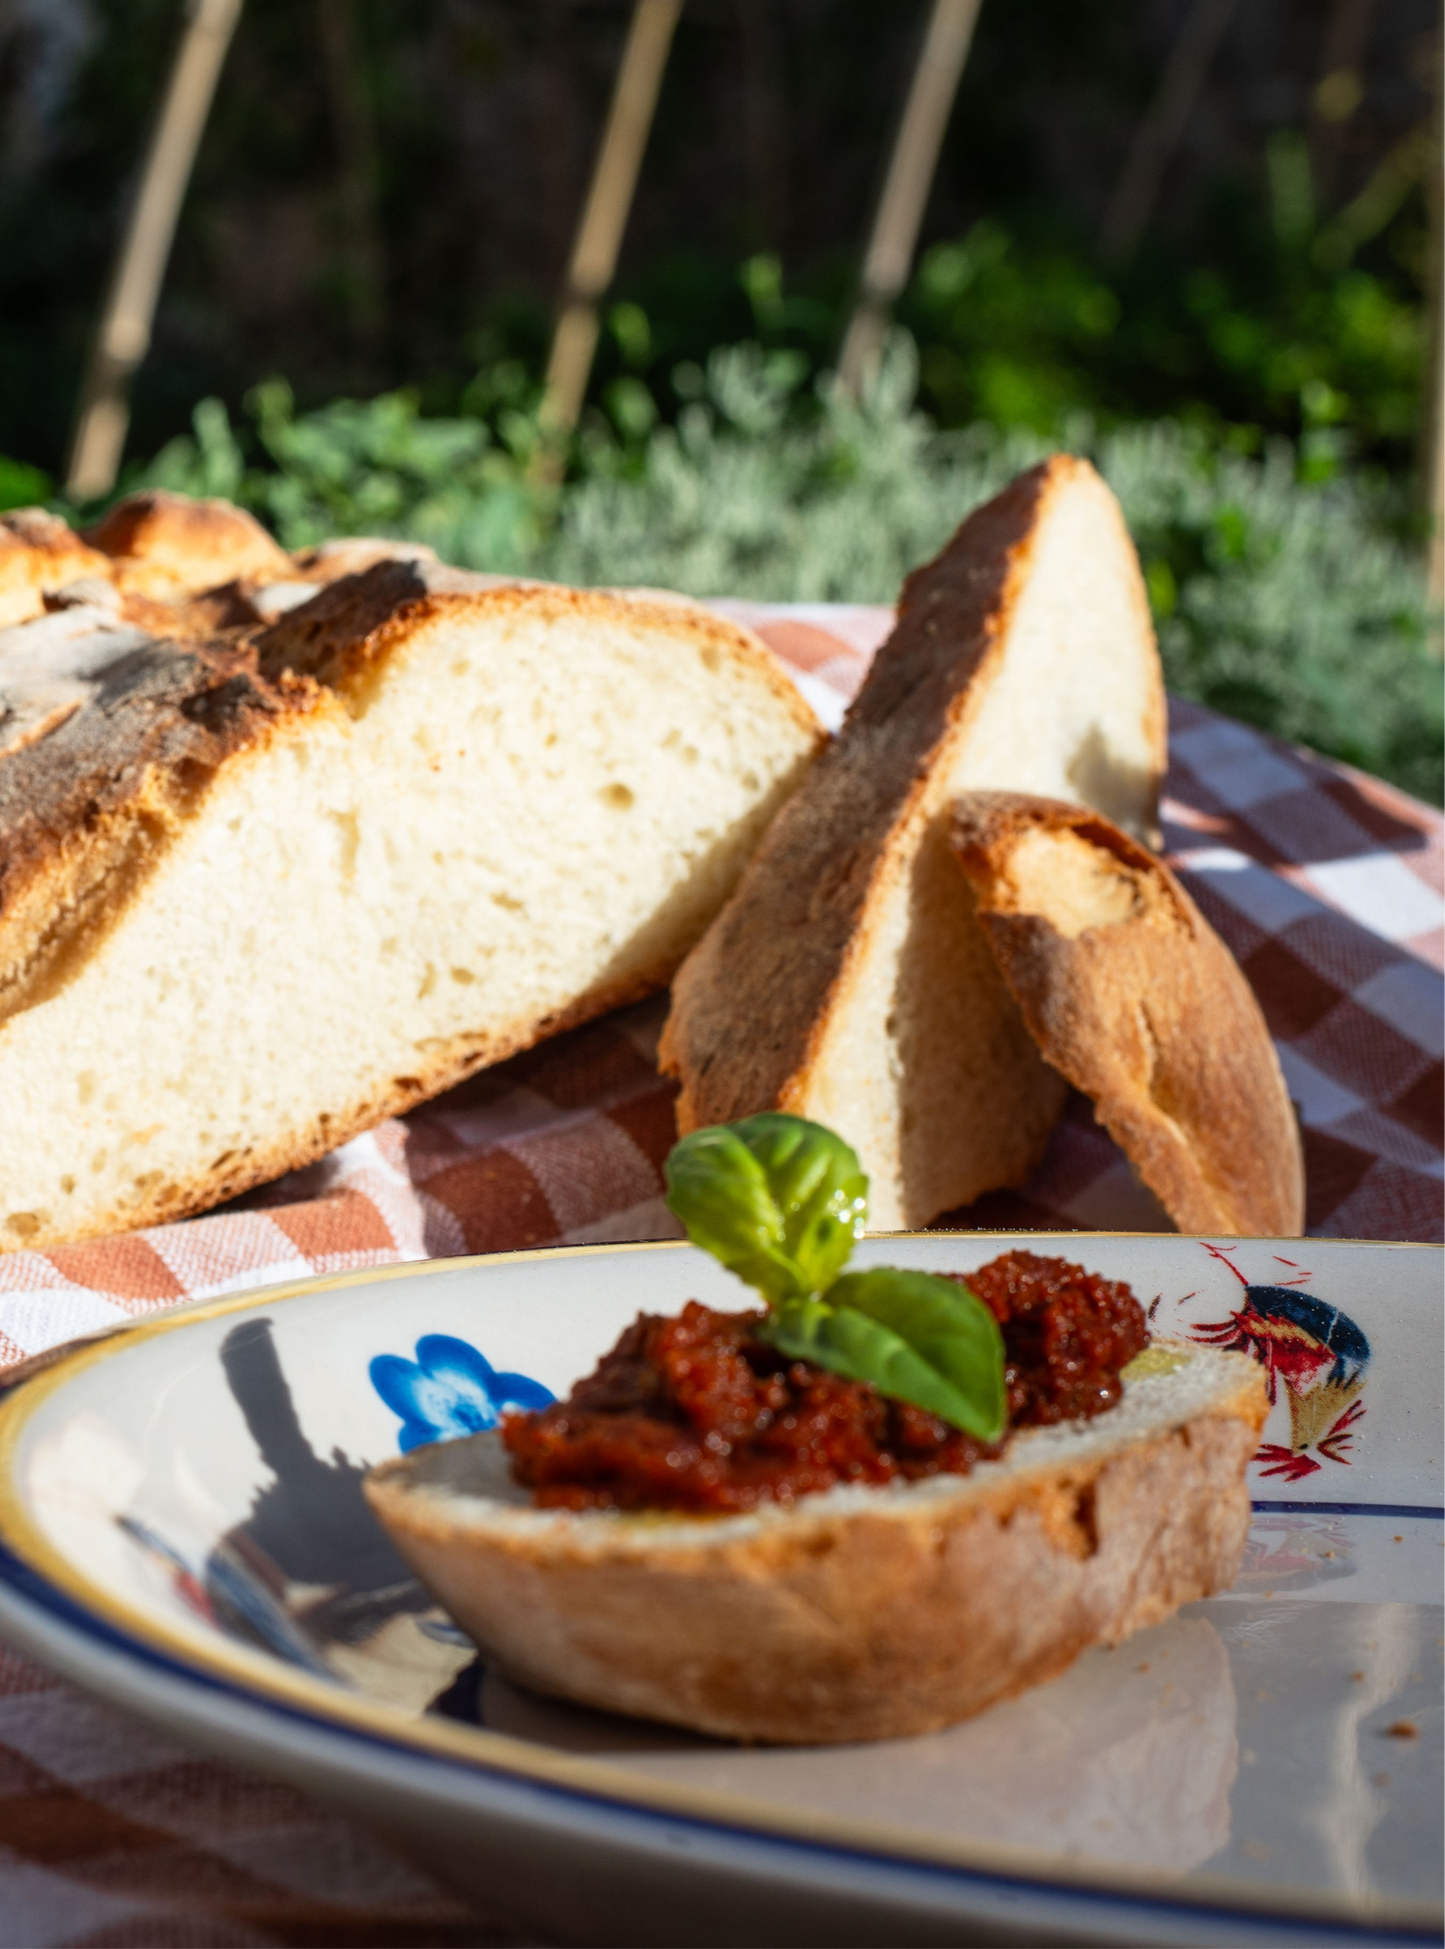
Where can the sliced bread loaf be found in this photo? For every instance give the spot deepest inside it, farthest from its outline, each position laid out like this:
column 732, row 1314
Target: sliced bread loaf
column 848, row 980
column 255, row 896
column 859, row 1613
column 1131, row 995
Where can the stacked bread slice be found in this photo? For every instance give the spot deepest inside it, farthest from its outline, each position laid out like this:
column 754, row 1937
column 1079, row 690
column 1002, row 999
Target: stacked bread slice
column 262, row 884
column 933, row 1016
column 848, row 979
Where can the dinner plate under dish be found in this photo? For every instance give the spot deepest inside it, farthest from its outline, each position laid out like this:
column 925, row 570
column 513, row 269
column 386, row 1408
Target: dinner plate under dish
column 184, row 1532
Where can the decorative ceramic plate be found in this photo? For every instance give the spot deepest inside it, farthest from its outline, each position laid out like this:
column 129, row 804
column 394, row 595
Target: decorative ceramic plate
column 183, row 1531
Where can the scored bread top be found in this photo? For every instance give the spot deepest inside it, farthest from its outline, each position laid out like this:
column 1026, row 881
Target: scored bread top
column 115, row 713
column 351, row 554
column 1130, row 993
column 168, row 565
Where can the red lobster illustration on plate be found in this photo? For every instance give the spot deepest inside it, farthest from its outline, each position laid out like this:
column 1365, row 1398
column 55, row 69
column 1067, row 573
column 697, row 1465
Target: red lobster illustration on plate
column 1319, row 1356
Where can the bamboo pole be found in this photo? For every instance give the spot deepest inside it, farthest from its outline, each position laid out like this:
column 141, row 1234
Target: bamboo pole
column 124, row 334
column 911, row 170
column 1434, row 441
column 604, row 217
column 1132, row 203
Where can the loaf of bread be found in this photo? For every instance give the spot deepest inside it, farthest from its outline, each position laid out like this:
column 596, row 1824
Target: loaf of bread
column 261, row 888
column 860, row 1612
column 1131, row 995
column 848, row 980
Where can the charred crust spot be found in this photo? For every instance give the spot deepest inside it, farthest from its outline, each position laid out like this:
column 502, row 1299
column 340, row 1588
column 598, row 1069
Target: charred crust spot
column 218, row 708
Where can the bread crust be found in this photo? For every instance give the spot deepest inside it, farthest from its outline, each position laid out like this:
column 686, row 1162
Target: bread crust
column 343, row 636
column 165, row 545
column 328, row 561
column 40, row 554
column 890, row 1616
column 1145, row 1010
column 786, row 943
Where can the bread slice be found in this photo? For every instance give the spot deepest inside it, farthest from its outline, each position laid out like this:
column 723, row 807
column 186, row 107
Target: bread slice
column 1131, row 995
column 255, row 896
column 862, row 1612
column 848, row 980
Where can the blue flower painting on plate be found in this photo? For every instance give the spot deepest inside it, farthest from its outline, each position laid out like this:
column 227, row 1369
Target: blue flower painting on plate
column 449, row 1390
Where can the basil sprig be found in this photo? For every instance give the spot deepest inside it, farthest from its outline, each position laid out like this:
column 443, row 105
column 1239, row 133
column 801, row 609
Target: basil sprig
column 780, row 1201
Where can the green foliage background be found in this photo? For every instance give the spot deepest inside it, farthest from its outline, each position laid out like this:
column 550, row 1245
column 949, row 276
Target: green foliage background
column 1251, row 380
column 1282, row 590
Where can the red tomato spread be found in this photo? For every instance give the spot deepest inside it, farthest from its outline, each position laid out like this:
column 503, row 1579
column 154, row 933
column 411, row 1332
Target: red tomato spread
column 697, row 1413
column 1066, row 1335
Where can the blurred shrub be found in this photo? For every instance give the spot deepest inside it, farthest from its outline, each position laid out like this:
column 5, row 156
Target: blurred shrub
column 368, row 467
column 1022, row 332
column 1280, row 594
column 1285, row 600
column 22, row 485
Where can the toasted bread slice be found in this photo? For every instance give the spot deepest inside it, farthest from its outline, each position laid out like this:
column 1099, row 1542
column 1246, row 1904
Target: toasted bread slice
column 1131, row 995
column 254, row 898
column 861, row 1612
column 847, row 980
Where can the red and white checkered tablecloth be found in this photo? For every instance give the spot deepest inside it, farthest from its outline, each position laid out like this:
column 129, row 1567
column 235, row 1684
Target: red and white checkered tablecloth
column 1326, row 884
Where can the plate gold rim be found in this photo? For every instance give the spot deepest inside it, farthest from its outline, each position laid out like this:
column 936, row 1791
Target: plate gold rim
column 259, row 1679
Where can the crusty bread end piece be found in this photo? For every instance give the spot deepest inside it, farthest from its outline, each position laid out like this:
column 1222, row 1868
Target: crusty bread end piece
column 847, row 980
column 860, row 1613
column 1131, row 995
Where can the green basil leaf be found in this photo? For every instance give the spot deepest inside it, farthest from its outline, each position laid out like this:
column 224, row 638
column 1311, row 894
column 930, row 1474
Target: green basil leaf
column 779, row 1200
column 949, row 1332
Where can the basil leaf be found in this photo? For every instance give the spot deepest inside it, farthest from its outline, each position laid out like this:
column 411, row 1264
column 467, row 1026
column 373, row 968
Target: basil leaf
column 779, row 1200
column 915, row 1337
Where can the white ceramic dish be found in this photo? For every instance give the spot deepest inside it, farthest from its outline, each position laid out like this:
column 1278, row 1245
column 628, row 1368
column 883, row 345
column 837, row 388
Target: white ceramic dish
column 183, row 1532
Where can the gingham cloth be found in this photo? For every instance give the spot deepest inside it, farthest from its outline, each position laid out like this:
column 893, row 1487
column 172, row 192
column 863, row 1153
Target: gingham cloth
column 1325, row 883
